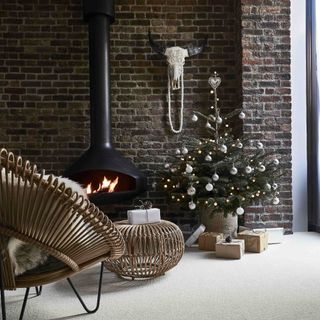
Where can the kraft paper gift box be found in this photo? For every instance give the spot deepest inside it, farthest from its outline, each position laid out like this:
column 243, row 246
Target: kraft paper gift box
column 207, row 240
column 254, row 241
column 143, row 216
column 232, row 250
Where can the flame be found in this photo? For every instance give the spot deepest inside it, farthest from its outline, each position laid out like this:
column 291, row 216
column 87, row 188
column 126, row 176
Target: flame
column 106, row 185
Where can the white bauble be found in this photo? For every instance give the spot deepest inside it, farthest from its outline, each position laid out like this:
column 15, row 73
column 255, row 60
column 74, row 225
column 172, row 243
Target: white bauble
column 261, row 168
column 209, row 186
column 274, row 186
column 239, row 145
column 219, row 120
column 191, row 191
column 178, row 152
column 275, row 200
column 259, row 145
column 267, row 186
column 173, row 170
column 189, row 169
column 184, row 150
column 194, row 118
column 242, row 115
column 233, row 170
column 167, row 165
column 240, row 211
column 276, row 162
column 208, row 125
column 192, row 205
column 208, row 158
column 215, row 177
column 248, row 169
column 223, row 148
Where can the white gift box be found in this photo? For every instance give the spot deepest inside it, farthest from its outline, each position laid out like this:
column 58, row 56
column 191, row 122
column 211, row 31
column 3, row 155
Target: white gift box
column 275, row 235
column 143, row 216
column 194, row 237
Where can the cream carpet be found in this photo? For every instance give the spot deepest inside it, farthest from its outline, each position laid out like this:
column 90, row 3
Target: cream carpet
column 282, row 283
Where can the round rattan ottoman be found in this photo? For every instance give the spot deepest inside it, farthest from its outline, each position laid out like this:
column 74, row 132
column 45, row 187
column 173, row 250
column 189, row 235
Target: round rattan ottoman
column 151, row 249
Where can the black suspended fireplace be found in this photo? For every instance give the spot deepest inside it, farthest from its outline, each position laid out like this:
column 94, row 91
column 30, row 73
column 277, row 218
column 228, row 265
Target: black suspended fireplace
column 107, row 176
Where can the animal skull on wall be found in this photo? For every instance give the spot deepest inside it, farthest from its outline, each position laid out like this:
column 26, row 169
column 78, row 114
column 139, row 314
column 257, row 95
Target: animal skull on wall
column 175, row 58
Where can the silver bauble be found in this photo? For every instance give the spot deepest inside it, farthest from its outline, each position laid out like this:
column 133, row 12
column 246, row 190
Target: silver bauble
column 178, row 152
column 219, row 120
column 240, row 211
column 248, row 169
column 242, row 115
column 192, row 205
column 215, row 177
column 267, row 186
column 184, row 150
column 233, row 170
column 191, row 191
column 208, row 158
column 275, row 200
column 274, row 186
column 223, row 148
column 275, row 162
column 259, row 145
column 209, row 186
column 189, row 169
column 261, row 168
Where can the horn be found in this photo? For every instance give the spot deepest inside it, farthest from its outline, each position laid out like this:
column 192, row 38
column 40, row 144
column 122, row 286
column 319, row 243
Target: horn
column 193, row 50
column 155, row 46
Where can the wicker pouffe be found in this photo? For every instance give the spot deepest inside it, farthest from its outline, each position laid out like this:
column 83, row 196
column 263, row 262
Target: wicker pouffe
column 151, row 249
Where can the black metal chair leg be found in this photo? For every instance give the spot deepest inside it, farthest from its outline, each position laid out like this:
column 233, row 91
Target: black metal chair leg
column 3, row 301
column 98, row 297
column 24, row 303
column 38, row 290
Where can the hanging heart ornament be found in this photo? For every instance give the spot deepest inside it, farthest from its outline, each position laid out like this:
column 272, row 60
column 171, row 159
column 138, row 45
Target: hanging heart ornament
column 214, row 82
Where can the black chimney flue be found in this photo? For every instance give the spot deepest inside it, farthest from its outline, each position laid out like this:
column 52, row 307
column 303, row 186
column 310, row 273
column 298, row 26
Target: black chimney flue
column 101, row 159
column 99, row 15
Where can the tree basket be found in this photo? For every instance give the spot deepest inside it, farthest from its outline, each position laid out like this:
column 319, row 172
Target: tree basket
column 217, row 222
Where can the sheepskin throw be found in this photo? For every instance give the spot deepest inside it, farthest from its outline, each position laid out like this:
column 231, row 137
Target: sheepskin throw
column 25, row 256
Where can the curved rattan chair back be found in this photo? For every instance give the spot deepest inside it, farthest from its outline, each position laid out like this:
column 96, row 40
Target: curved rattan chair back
column 37, row 209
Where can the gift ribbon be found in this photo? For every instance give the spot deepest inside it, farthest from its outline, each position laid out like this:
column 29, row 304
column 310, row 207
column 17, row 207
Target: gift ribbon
column 144, row 205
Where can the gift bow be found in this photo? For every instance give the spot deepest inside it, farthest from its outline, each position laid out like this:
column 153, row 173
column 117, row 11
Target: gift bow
column 144, row 205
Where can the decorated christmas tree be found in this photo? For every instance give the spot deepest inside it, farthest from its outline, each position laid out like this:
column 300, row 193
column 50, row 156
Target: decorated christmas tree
column 221, row 173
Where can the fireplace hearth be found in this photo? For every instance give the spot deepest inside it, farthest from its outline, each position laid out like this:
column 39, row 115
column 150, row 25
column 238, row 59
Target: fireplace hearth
column 107, row 176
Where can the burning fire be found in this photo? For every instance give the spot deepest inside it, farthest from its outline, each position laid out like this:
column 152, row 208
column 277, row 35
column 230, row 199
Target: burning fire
column 106, row 185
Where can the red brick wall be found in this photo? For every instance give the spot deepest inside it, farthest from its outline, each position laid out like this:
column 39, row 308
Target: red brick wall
column 44, row 92
column 267, row 95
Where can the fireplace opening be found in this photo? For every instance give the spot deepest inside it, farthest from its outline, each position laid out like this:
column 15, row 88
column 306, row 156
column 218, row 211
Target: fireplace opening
column 102, row 181
column 102, row 171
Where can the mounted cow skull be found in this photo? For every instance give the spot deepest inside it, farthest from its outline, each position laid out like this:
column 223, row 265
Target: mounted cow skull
column 175, row 58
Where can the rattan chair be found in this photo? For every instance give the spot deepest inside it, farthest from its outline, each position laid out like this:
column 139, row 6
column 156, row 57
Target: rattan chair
column 37, row 209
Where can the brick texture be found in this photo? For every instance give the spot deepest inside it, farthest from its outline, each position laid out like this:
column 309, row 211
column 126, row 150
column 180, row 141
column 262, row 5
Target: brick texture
column 44, row 95
column 267, row 96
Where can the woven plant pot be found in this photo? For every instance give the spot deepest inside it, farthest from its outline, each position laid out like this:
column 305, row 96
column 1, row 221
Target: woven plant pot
column 217, row 222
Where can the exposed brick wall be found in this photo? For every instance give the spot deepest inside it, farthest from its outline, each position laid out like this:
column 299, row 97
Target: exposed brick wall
column 267, row 95
column 44, row 81
column 44, row 96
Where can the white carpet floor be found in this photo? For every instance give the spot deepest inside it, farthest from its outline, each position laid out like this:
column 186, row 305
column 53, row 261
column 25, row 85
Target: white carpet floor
column 283, row 283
